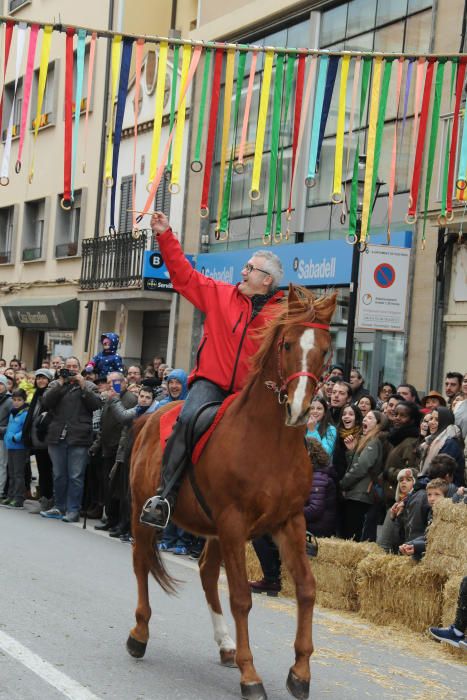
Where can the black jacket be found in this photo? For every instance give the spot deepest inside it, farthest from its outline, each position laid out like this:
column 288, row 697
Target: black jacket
column 71, row 410
column 6, row 403
column 111, row 427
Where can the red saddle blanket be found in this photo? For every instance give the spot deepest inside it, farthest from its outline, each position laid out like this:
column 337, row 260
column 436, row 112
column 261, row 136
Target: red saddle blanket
column 168, row 420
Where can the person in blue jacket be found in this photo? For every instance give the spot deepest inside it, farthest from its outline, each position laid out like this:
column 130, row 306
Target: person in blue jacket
column 17, row 450
column 177, row 386
column 108, row 360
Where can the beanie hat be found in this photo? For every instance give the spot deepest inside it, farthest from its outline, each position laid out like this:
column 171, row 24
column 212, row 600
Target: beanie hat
column 409, row 474
column 44, row 372
column 3, row 379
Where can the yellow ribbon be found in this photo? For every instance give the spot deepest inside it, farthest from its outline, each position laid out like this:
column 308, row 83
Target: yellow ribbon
column 116, row 52
column 229, row 77
column 339, row 153
column 158, row 109
column 368, row 186
column 263, row 112
column 180, row 128
column 43, row 69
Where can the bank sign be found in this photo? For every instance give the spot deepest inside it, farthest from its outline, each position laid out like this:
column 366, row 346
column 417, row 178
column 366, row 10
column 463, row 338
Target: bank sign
column 156, row 277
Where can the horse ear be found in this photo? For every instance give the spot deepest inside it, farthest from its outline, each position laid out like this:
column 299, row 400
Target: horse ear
column 294, row 302
column 328, row 309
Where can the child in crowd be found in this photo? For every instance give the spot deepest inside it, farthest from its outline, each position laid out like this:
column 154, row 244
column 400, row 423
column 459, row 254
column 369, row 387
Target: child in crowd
column 390, row 536
column 17, row 451
column 436, row 489
column 107, row 360
column 455, row 634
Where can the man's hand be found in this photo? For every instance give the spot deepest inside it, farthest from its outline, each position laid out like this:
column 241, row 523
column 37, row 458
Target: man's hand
column 78, row 379
column 159, row 222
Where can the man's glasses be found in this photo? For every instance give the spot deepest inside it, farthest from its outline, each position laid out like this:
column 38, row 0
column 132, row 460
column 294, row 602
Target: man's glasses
column 249, row 268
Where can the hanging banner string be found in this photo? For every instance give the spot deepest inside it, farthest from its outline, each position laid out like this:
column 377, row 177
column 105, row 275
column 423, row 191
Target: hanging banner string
column 196, row 164
column 417, row 169
column 408, row 82
column 20, row 41
column 80, row 53
column 216, row 83
column 43, row 70
column 353, row 105
column 433, row 138
column 392, row 170
column 297, row 122
column 92, row 54
column 442, row 220
column 239, row 165
column 158, row 110
column 336, row 197
column 352, row 235
column 8, row 37
column 27, row 92
column 317, row 112
column 160, row 171
column 329, row 89
column 380, row 127
column 66, row 201
column 455, row 134
column 461, row 183
column 224, row 219
column 174, row 187
column 276, row 123
column 139, row 52
column 289, row 82
column 228, row 92
column 261, row 129
column 173, row 103
column 115, row 62
column 370, row 157
column 121, row 101
column 418, row 96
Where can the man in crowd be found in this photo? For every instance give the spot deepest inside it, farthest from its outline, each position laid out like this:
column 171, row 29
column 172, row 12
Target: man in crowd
column 15, row 364
column 56, row 363
column 134, row 374
column 452, row 385
column 357, row 383
column 408, row 393
column 340, row 396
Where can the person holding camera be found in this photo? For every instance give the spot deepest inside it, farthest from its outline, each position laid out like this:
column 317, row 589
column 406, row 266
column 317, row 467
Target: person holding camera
column 70, row 400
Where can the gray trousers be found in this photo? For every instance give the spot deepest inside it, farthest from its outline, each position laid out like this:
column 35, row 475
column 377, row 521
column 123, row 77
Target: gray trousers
column 16, row 464
column 3, row 467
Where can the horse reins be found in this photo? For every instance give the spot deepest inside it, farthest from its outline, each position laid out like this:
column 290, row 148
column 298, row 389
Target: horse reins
column 281, row 390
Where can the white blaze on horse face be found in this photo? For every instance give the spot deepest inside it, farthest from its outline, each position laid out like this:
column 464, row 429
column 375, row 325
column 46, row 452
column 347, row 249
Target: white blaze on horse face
column 221, row 633
column 307, row 343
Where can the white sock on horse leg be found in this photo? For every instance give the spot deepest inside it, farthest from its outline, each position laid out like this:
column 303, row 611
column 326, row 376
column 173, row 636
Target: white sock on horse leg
column 221, row 632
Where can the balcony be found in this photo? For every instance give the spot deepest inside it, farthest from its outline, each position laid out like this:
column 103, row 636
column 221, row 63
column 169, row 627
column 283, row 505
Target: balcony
column 113, row 262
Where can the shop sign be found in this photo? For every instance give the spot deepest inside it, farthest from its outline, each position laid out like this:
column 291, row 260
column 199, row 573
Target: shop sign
column 383, row 288
column 42, row 314
column 156, row 277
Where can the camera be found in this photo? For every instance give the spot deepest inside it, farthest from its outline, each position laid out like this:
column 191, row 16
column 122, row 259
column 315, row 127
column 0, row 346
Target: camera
column 66, row 374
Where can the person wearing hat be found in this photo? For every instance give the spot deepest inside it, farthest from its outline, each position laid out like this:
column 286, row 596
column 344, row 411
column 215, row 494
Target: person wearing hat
column 5, row 408
column 432, row 400
column 336, row 370
column 35, row 437
column 392, row 531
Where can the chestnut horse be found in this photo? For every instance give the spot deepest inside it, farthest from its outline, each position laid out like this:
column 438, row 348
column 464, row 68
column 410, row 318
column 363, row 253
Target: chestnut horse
column 255, row 476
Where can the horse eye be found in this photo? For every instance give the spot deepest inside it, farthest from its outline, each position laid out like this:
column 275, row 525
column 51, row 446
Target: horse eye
column 287, row 346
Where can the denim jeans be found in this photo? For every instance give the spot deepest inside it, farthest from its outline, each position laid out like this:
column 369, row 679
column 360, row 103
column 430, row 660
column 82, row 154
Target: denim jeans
column 69, row 467
column 3, row 467
column 201, row 392
column 16, row 465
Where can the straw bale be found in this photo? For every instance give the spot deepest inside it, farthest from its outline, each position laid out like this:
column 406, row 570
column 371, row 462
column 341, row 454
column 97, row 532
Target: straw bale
column 446, row 551
column 394, row 589
column 450, row 596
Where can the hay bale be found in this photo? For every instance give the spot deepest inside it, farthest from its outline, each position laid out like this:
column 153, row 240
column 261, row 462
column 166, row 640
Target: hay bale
column 394, row 589
column 446, row 551
column 450, row 596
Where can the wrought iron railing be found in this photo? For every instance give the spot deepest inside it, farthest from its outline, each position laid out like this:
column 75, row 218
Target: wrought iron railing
column 111, row 262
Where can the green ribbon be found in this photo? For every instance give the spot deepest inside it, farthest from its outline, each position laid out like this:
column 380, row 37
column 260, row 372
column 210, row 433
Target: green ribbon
column 367, row 63
column 444, row 196
column 276, row 125
column 173, row 104
column 433, row 134
column 224, row 219
column 289, row 82
column 196, row 164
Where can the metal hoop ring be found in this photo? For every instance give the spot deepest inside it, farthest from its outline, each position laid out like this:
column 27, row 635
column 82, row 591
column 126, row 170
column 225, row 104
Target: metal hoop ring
column 450, row 216
column 363, row 247
column 266, row 238
column 174, row 188
column 351, row 238
column 239, row 167
column 204, row 212
column 4, row 181
column 461, row 184
column 109, row 182
column 310, row 182
column 18, row 167
column 277, row 238
column 66, row 204
column 196, row 166
column 255, row 195
column 411, row 219
column 287, row 233
column 149, row 187
column 442, row 220
column 221, row 236
column 343, row 218
column 336, row 198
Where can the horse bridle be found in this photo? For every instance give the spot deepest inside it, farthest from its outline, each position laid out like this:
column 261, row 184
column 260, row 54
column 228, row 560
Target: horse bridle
column 281, row 390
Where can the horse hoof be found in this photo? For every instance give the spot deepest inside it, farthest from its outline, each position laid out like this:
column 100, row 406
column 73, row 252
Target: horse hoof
column 299, row 689
column 135, row 648
column 253, row 691
column 228, row 657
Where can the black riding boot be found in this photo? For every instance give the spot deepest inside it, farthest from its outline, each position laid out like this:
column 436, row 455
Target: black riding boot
column 158, row 510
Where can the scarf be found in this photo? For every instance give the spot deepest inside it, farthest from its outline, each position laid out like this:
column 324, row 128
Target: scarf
column 434, row 444
column 346, row 432
column 399, row 434
column 258, row 301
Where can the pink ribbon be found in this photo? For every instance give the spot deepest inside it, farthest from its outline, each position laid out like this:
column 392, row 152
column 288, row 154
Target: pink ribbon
column 392, row 175
column 246, row 115
column 27, row 91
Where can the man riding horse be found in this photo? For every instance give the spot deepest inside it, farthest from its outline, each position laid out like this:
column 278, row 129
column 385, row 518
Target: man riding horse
column 233, row 315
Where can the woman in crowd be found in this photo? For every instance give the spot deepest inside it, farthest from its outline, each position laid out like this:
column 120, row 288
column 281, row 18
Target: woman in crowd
column 385, row 390
column 365, row 460
column 366, row 404
column 404, row 439
column 349, row 427
column 320, row 425
column 444, row 438
column 321, row 505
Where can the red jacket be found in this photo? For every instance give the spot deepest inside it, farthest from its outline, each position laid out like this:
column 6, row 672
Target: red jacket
column 227, row 343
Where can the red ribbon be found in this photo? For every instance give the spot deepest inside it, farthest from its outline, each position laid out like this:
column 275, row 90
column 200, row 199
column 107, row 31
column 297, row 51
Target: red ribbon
column 417, row 166
column 455, row 132
column 8, row 37
column 297, row 116
column 66, row 201
column 211, row 131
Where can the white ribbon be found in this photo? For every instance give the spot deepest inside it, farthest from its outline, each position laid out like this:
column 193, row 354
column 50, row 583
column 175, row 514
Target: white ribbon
column 20, row 43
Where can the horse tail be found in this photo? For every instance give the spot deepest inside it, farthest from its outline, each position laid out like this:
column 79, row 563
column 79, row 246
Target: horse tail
column 157, row 568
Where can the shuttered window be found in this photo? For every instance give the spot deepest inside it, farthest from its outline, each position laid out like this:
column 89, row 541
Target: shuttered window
column 162, row 198
column 125, row 220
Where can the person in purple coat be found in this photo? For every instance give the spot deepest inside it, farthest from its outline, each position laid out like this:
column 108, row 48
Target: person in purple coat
column 321, row 506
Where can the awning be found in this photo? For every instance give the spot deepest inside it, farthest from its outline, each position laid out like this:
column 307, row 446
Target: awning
column 43, row 313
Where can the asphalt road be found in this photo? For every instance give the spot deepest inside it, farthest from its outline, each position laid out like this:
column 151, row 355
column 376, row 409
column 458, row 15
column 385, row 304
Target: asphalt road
column 67, row 599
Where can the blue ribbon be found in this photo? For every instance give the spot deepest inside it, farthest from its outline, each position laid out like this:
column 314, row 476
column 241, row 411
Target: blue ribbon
column 121, row 100
column 328, row 90
column 462, row 168
column 80, row 51
column 315, row 129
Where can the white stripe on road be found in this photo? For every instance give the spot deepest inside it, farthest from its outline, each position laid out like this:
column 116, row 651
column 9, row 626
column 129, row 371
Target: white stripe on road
column 58, row 680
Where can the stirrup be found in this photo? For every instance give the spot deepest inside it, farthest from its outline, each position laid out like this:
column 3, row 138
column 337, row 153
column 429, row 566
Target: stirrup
column 156, row 512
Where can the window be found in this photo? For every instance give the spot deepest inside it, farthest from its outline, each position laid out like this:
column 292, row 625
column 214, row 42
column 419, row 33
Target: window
column 68, row 224
column 6, row 234
column 48, row 110
column 8, row 103
column 84, row 92
column 14, row 5
column 125, row 221
column 33, row 229
column 163, row 196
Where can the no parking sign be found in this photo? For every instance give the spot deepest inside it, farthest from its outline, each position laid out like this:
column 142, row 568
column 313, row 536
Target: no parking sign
column 383, row 289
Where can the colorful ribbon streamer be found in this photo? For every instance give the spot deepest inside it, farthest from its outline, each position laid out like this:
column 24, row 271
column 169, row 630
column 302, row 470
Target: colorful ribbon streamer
column 276, row 124
column 228, row 92
column 380, row 127
column 80, row 54
column 353, row 106
column 318, row 110
column 353, row 210
column 115, row 63
column 216, row 83
column 92, row 55
column 418, row 96
column 408, row 82
column 289, row 81
column 433, row 137
column 297, row 123
column 158, row 110
column 173, row 102
column 66, row 202
column 26, row 92
column 174, row 186
column 8, row 37
column 121, row 101
column 455, row 134
column 370, row 158
column 336, row 197
column 20, row 41
column 196, row 164
column 329, row 89
column 43, row 70
column 392, row 170
column 261, row 130
column 239, row 165
column 444, row 194
column 139, row 52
